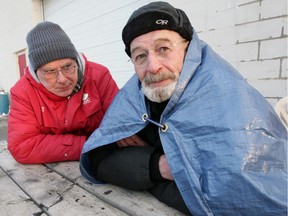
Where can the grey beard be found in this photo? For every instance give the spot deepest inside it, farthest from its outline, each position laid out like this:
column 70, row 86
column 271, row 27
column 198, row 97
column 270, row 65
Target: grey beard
column 159, row 94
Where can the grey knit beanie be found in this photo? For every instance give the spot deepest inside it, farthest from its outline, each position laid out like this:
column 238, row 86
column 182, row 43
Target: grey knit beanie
column 48, row 42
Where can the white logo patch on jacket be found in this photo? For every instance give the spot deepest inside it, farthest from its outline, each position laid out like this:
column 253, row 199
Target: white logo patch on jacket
column 86, row 98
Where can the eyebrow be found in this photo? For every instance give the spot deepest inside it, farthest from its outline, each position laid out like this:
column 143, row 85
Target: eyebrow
column 156, row 41
column 65, row 64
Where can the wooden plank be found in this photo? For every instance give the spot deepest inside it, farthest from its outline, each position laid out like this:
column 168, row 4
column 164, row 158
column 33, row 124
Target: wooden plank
column 3, row 128
column 79, row 202
column 131, row 202
column 55, row 194
column 13, row 201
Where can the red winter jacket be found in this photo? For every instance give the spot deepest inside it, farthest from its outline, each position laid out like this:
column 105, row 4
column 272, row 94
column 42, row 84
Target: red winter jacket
column 44, row 128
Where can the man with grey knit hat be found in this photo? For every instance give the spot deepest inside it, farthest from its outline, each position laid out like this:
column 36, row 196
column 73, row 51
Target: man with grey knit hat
column 187, row 127
column 60, row 100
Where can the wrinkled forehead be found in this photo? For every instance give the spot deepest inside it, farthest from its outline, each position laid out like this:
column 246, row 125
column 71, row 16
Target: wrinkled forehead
column 149, row 39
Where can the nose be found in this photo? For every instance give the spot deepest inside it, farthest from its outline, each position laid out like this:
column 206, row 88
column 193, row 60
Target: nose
column 153, row 64
column 61, row 78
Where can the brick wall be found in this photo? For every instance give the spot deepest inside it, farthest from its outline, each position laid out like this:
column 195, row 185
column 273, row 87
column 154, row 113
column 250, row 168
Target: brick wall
column 252, row 36
column 266, row 33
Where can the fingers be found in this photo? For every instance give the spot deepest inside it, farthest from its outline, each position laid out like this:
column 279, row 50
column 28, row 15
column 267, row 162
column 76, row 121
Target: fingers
column 165, row 169
column 131, row 141
column 137, row 140
column 122, row 143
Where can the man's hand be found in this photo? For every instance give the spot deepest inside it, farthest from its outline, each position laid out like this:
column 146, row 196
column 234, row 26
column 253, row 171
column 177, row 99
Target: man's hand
column 131, row 141
column 164, row 168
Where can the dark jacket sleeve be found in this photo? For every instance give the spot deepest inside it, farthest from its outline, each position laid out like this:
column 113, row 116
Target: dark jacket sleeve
column 125, row 167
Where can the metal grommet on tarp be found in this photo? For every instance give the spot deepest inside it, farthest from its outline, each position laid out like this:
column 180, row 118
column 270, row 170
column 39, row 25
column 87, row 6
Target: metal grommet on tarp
column 164, row 127
column 144, row 117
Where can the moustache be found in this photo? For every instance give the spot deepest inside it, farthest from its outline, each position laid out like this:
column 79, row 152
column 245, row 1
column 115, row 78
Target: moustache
column 152, row 78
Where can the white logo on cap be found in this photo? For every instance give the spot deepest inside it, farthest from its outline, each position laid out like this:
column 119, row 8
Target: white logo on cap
column 161, row 22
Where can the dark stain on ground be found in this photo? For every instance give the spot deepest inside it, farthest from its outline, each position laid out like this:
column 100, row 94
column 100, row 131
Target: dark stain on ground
column 108, row 192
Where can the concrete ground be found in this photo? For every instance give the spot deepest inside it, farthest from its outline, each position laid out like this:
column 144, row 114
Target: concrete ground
column 3, row 128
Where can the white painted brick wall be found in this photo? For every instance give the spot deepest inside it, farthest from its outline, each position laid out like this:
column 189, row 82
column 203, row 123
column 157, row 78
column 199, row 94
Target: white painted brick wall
column 242, row 2
column 262, row 25
column 260, row 30
column 260, row 69
column 243, row 17
column 217, row 36
column 284, row 69
column 261, row 85
column 241, row 52
column 250, row 34
column 276, row 48
column 273, row 8
column 220, row 20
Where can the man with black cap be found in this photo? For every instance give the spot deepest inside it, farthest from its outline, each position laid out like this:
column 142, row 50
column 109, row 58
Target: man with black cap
column 60, row 100
column 206, row 142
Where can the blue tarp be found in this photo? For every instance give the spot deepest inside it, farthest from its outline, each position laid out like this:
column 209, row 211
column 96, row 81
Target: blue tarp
column 225, row 145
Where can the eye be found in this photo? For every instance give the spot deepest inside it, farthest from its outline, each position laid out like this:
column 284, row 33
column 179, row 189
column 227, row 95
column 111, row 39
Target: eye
column 50, row 71
column 162, row 49
column 140, row 57
column 66, row 67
